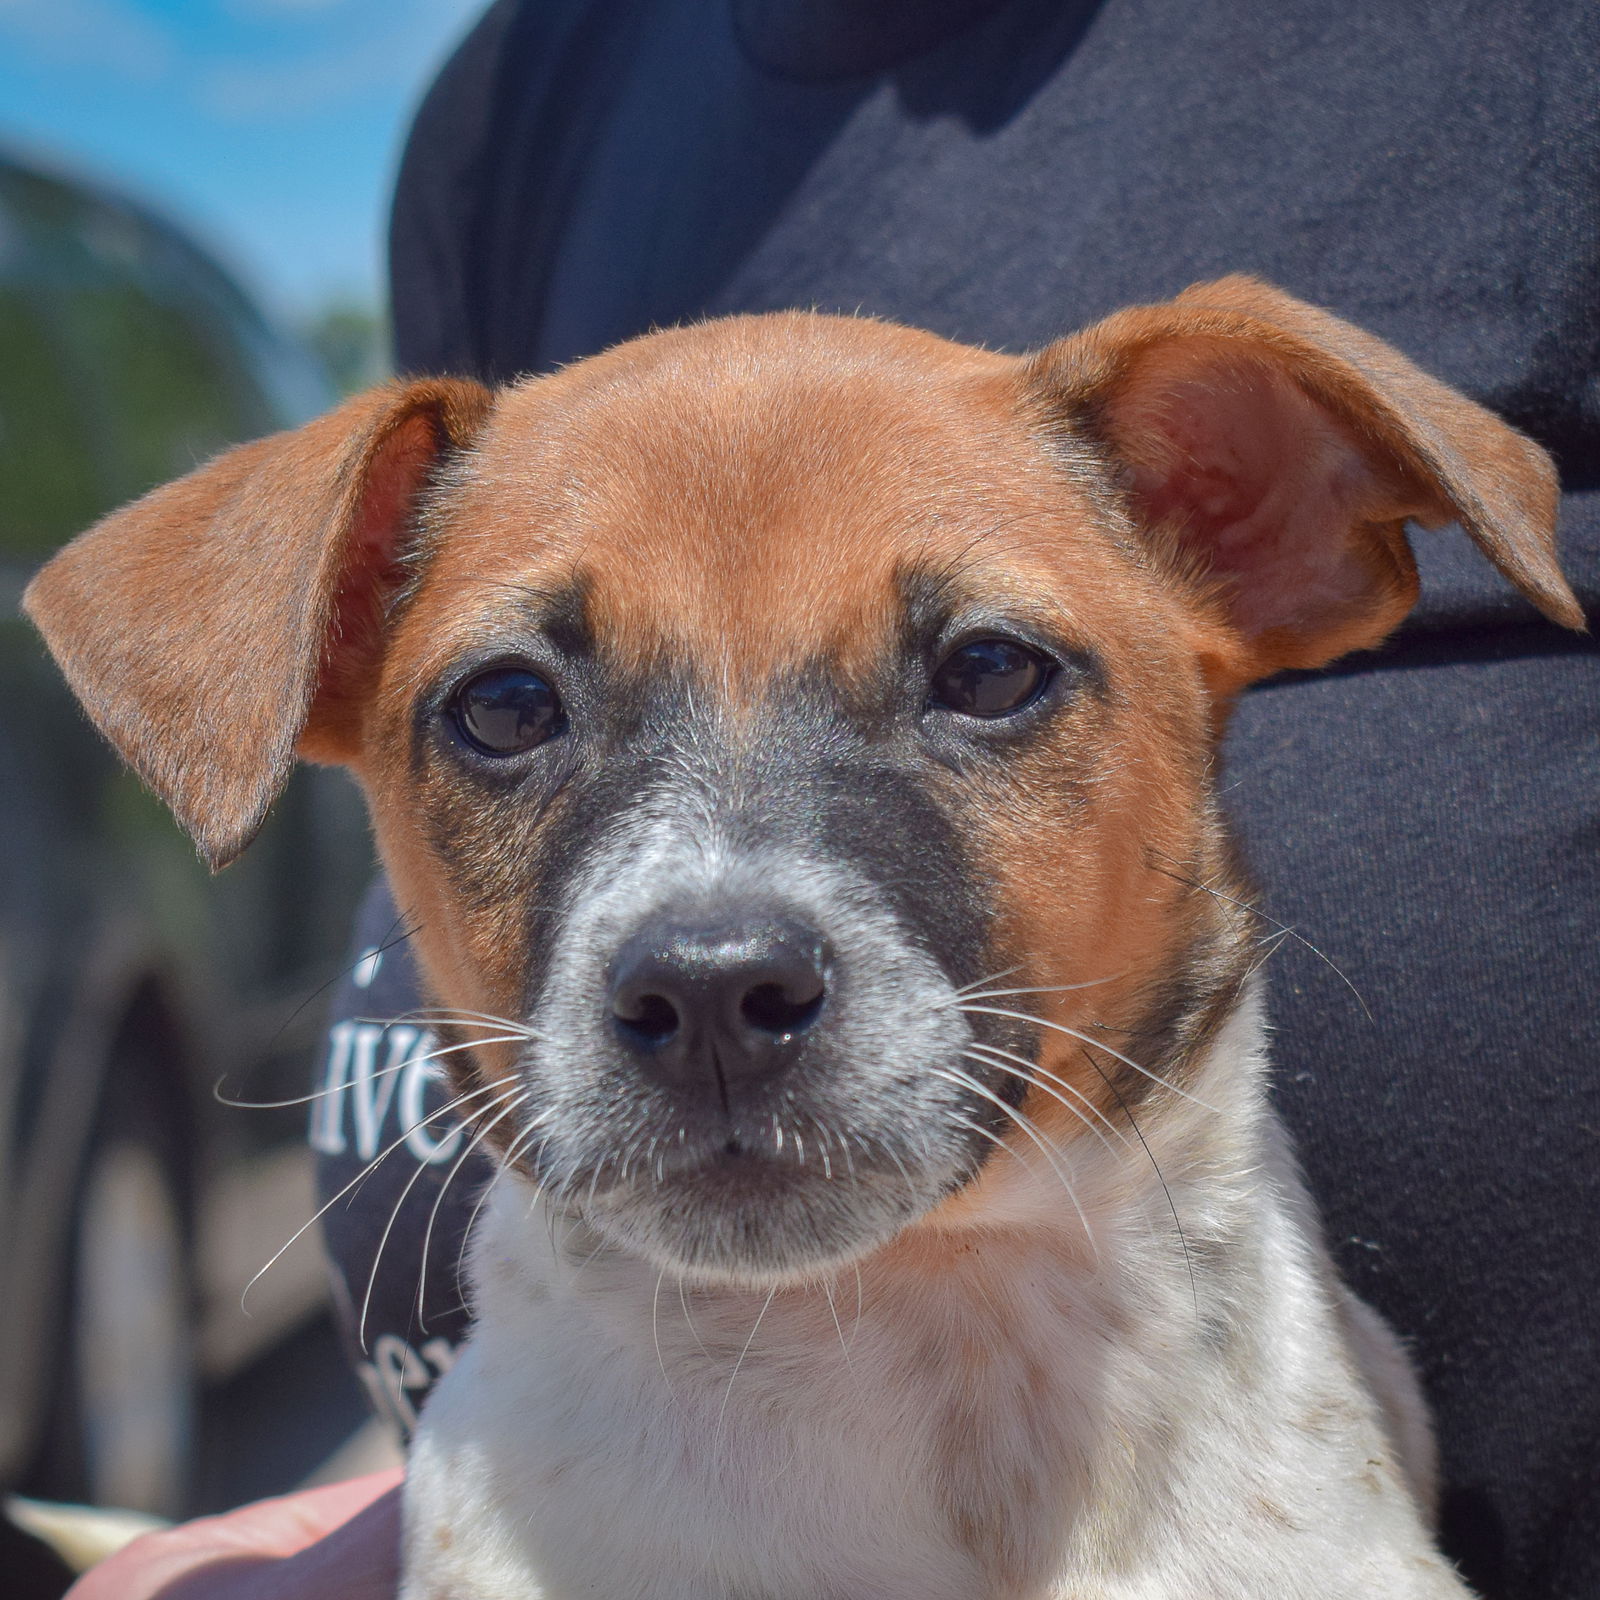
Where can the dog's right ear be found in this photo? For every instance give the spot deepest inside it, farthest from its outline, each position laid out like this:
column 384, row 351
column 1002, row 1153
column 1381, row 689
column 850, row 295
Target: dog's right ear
column 221, row 622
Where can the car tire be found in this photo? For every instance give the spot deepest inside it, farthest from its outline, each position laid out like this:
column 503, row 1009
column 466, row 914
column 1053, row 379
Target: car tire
column 122, row 1423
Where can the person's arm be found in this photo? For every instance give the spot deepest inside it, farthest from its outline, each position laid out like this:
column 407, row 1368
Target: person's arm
column 341, row 1542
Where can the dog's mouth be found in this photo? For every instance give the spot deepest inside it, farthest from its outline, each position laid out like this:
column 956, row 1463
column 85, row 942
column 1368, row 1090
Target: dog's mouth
column 779, row 1177
column 760, row 1204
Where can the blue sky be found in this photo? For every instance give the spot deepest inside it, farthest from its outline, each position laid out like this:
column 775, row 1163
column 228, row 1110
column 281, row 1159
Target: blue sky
column 269, row 128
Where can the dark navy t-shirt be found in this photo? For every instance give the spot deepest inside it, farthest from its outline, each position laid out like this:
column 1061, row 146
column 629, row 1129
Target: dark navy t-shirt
column 1427, row 817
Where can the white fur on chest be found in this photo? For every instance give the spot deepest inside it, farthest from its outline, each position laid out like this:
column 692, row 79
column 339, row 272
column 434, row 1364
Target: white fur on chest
column 1006, row 1411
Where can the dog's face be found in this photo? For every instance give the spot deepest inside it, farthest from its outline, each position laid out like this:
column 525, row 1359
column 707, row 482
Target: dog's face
column 797, row 691
column 769, row 719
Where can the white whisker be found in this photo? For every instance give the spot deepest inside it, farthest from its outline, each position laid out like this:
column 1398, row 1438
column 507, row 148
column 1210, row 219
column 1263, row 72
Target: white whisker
column 994, row 977
column 462, row 1019
column 450, row 1177
column 360, row 1178
column 967, row 1081
column 348, row 1084
column 1095, row 1044
column 727, row 1394
column 655, row 1334
column 838, row 1327
column 1283, row 927
column 518, row 1144
column 394, row 1215
column 1048, row 988
column 1031, row 1072
column 683, row 1301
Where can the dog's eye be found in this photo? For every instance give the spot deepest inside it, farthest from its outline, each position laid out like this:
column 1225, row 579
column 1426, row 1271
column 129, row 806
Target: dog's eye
column 990, row 678
column 507, row 710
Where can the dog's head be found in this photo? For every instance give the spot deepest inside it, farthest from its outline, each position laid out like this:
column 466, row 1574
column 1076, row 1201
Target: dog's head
column 771, row 718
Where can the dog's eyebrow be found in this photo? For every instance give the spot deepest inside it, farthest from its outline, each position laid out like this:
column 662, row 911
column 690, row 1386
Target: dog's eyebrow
column 560, row 612
column 934, row 598
column 929, row 597
column 563, row 614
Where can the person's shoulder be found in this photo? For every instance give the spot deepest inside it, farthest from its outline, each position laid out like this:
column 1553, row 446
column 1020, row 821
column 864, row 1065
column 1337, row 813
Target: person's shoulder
column 501, row 55
column 469, row 72
column 461, row 136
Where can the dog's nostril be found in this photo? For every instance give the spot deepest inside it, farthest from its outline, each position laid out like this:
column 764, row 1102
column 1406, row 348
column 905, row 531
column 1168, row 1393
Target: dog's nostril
column 651, row 1018
column 773, row 1009
column 712, row 1006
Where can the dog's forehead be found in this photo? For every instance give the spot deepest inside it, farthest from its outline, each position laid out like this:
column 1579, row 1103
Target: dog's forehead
column 758, row 488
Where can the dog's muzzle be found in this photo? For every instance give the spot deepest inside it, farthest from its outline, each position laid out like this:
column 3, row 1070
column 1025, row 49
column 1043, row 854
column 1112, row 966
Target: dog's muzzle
column 754, row 1073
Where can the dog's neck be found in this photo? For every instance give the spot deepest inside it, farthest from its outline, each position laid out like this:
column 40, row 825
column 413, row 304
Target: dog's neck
column 967, row 1375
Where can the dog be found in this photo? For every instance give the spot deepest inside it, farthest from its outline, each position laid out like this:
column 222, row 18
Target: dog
column 794, row 739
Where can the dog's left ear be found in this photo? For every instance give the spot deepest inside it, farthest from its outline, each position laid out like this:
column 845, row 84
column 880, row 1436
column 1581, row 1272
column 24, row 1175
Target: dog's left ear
column 224, row 620
column 1275, row 453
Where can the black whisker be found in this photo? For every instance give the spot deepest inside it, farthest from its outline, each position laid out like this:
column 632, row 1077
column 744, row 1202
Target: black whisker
column 1127, row 1111
column 1256, row 911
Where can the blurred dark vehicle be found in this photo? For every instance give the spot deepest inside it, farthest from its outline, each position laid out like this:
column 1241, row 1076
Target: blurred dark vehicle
column 134, row 1207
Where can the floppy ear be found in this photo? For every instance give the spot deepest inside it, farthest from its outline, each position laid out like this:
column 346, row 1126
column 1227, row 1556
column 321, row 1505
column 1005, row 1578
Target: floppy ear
column 1275, row 453
column 224, row 619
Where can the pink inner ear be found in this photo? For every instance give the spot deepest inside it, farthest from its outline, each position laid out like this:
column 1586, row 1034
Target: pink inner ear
column 1265, row 490
column 394, row 476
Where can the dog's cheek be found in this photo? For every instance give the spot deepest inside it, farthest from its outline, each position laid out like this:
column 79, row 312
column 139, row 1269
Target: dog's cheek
column 458, row 864
column 1092, row 836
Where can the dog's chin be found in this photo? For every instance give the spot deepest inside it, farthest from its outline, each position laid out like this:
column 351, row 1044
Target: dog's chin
column 753, row 1222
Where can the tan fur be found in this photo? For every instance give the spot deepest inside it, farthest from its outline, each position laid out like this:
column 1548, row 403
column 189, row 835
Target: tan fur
column 1198, row 494
column 215, row 623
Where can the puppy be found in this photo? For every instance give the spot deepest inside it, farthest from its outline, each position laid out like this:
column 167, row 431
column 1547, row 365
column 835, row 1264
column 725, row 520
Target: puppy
column 802, row 733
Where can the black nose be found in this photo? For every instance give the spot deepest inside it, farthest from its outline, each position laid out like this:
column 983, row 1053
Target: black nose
column 709, row 1006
